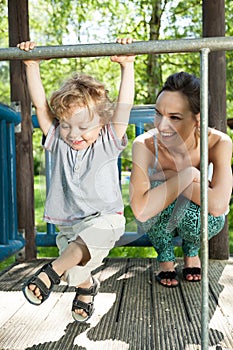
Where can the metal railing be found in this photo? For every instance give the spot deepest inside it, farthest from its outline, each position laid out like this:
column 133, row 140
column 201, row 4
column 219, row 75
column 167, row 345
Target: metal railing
column 10, row 240
column 109, row 49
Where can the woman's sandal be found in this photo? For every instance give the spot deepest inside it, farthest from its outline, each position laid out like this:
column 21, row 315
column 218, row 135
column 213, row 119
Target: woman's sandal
column 167, row 275
column 44, row 290
column 81, row 305
column 191, row 271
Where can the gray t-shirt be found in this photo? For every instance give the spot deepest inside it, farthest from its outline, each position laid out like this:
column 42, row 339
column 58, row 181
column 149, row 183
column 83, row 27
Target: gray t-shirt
column 83, row 182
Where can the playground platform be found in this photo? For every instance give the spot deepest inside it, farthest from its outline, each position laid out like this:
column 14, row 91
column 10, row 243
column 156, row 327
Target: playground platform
column 133, row 312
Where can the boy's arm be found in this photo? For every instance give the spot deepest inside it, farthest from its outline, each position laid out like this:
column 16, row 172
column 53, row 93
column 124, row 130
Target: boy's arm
column 36, row 90
column 126, row 90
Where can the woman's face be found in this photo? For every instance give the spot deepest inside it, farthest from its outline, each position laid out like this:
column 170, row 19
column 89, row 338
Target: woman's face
column 173, row 118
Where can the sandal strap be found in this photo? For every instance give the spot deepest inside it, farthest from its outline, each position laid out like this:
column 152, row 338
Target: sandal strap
column 191, row 271
column 44, row 290
column 169, row 275
column 35, row 280
column 93, row 290
column 87, row 307
column 53, row 276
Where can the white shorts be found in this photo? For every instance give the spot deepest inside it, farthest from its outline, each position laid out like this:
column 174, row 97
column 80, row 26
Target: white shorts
column 100, row 233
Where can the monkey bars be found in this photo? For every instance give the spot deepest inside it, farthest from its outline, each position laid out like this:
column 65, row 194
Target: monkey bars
column 109, row 49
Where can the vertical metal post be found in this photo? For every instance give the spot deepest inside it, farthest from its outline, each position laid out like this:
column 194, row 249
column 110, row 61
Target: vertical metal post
column 4, row 200
column 11, row 159
column 204, row 200
column 139, row 129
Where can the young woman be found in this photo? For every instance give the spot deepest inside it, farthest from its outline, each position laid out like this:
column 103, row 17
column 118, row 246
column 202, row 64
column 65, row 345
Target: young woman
column 165, row 179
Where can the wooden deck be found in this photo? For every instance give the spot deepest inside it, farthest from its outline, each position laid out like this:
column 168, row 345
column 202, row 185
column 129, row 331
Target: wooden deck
column 132, row 311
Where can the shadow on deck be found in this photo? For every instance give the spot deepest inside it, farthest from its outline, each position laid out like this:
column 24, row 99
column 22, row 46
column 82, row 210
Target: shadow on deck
column 132, row 311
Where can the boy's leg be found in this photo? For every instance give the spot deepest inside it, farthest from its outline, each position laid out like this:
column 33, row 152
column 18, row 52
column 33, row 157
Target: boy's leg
column 99, row 236
column 83, row 250
column 75, row 253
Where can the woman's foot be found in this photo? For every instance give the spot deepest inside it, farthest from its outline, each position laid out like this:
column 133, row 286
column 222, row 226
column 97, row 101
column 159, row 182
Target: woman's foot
column 83, row 303
column 167, row 275
column 192, row 268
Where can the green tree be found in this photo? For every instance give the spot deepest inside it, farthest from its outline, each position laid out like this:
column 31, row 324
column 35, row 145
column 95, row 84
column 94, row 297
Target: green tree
column 4, row 66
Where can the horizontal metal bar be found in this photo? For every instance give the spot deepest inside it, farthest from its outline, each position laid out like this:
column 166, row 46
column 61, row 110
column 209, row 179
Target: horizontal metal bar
column 12, row 248
column 8, row 114
column 138, row 115
column 129, row 239
column 109, row 49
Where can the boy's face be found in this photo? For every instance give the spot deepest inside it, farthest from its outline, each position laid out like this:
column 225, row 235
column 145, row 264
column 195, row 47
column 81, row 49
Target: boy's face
column 78, row 130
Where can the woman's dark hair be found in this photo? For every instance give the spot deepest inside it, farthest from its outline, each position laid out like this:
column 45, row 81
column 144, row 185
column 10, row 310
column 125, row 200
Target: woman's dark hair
column 186, row 83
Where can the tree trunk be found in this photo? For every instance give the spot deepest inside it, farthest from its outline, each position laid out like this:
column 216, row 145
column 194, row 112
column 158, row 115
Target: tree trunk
column 154, row 68
column 213, row 26
column 19, row 31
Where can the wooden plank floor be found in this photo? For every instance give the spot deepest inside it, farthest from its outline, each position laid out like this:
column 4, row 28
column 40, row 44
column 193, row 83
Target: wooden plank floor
column 132, row 311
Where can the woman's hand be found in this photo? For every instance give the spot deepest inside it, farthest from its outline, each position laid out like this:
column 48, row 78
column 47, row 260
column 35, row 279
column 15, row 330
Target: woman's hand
column 196, row 175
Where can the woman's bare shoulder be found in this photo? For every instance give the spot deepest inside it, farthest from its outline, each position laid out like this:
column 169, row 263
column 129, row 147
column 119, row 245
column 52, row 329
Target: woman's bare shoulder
column 216, row 136
column 146, row 138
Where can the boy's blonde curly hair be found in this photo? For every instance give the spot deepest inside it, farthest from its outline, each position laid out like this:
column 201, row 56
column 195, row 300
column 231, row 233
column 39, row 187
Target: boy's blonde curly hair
column 84, row 91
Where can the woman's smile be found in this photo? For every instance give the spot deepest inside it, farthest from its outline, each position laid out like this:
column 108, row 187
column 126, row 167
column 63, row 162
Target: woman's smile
column 167, row 134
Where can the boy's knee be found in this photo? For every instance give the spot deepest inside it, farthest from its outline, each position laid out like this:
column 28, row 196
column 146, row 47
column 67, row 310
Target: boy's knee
column 80, row 244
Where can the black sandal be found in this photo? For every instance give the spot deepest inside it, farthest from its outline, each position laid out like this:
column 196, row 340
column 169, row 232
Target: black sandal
column 44, row 290
column 191, row 271
column 167, row 275
column 81, row 305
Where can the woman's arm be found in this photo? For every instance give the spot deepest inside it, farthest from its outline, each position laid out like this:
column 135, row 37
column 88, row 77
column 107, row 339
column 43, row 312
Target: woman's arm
column 36, row 90
column 147, row 202
column 220, row 188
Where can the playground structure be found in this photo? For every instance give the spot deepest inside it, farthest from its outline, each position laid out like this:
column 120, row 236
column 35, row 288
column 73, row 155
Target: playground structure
column 139, row 117
column 10, row 240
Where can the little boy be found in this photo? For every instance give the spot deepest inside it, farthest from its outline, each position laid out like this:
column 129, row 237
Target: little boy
column 85, row 135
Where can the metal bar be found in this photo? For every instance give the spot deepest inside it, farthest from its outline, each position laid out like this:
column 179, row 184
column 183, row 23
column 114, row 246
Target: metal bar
column 204, row 199
column 139, row 129
column 11, row 248
column 109, row 49
column 4, row 200
column 11, row 154
column 9, row 115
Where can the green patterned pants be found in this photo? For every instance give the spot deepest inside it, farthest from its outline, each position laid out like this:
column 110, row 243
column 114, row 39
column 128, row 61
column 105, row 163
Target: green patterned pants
column 181, row 218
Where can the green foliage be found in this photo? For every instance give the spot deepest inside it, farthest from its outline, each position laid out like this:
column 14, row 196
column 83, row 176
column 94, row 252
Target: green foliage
column 4, row 66
column 132, row 252
column 58, row 22
column 38, row 153
column 6, row 263
column 39, row 199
